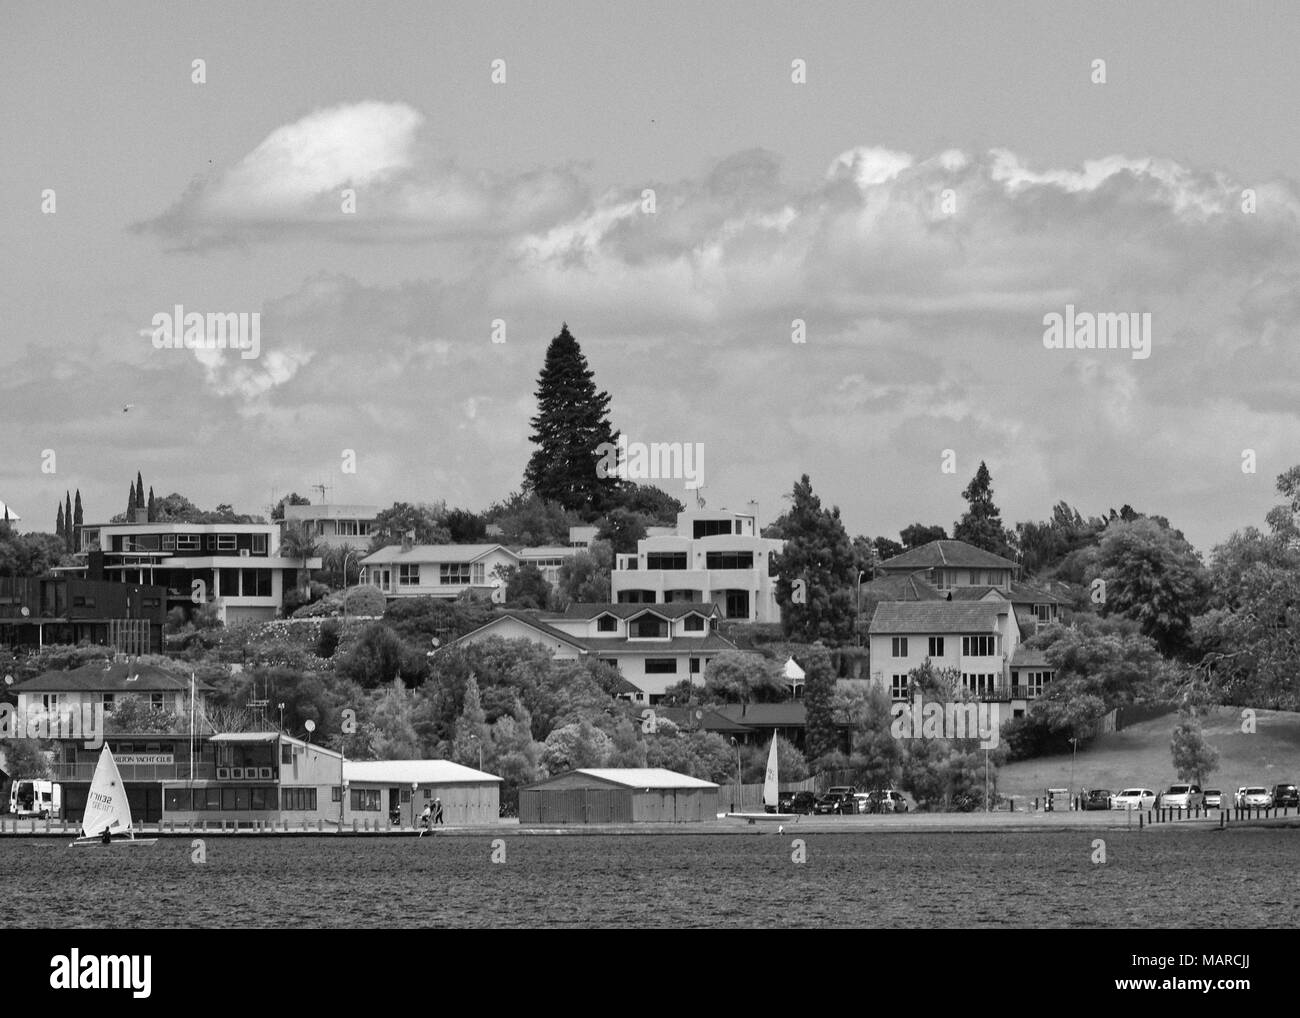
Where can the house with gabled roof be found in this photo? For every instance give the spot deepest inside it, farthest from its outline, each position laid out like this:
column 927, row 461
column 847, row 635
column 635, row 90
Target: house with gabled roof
column 979, row 639
column 653, row 646
column 100, row 685
column 436, row 570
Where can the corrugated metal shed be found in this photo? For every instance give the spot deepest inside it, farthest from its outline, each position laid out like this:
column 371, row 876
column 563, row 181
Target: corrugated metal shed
column 608, row 795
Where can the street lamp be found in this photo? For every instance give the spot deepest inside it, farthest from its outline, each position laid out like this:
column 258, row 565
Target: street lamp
column 346, row 554
column 281, row 706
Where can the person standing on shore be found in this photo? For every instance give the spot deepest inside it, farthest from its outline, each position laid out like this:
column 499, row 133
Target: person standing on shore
column 426, row 818
column 437, row 811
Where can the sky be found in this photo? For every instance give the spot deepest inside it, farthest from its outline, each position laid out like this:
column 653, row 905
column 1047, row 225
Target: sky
column 921, row 185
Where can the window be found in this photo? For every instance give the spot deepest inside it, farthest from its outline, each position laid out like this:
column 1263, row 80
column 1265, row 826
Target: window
column 649, row 628
column 108, row 702
column 336, row 793
column 737, row 604
column 225, row 542
column 169, row 542
column 898, row 688
column 477, row 573
column 898, row 646
column 286, row 753
column 711, row 528
column 729, row 560
column 453, row 573
column 347, row 528
column 50, row 701
column 693, row 624
column 1034, row 683
column 661, row 666
column 300, row 798
column 156, row 701
column 78, row 601
column 636, row 597
column 178, row 800
column 187, row 542
column 936, row 646
column 981, row 683
column 939, row 577
column 611, row 661
column 665, row 560
column 979, row 646
column 365, row 799
column 695, row 666
column 607, row 624
column 256, row 582
column 1044, row 612
column 408, row 576
column 259, row 544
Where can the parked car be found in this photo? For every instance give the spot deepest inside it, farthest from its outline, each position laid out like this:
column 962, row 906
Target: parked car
column 1213, row 798
column 837, row 800
column 1098, row 798
column 1286, row 795
column 1134, row 798
column 796, row 802
column 1182, row 797
column 1253, row 796
column 887, row 800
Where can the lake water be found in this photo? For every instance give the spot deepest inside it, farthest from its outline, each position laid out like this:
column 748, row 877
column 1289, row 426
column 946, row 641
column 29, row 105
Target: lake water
column 1206, row 879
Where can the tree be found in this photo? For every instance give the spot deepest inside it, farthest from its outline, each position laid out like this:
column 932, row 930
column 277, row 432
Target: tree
column 132, row 714
column 130, row 504
column 300, row 543
column 656, row 506
column 152, row 508
column 59, row 528
column 77, row 521
column 886, row 549
column 1194, row 759
column 472, row 732
column 393, row 525
column 917, row 534
column 277, row 513
column 526, row 587
column 379, row 656
column 818, row 552
column 570, row 426
column 981, row 525
column 622, row 529
column 530, row 520
column 819, row 701
column 465, row 527
column 1153, row 577
column 584, row 577
column 24, row 758
column 741, row 677
column 575, row 745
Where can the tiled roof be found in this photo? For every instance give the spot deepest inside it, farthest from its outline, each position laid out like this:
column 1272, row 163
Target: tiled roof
column 792, row 713
column 434, row 553
column 528, row 618
column 1029, row 657
column 924, row 617
column 946, row 553
column 95, row 678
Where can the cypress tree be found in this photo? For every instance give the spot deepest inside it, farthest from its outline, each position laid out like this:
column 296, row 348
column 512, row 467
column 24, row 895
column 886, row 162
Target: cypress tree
column 77, row 521
column 59, row 527
column 130, row 504
column 570, row 425
column 67, row 521
column 139, row 491
column 153, row 506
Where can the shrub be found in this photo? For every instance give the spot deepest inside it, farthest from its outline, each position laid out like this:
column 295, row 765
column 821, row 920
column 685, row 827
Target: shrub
column 328, row 641
column 366, row 600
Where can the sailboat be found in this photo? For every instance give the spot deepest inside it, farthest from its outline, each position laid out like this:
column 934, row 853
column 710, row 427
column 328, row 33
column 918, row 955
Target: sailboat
column 107, row 820
column 770, row 787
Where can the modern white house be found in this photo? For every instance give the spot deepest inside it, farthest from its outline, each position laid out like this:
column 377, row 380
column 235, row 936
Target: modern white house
column 335, row 526
column 235, row 566
column 714, row 557
column 979, row 639
column 436, row 570
column 652, row 646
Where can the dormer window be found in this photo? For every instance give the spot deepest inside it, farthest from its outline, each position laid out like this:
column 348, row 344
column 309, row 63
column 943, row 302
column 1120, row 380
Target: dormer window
column 607, row 624
column 649, row 628
column 694, row 624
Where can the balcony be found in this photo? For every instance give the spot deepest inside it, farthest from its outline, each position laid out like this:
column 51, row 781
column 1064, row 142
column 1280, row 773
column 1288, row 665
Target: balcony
column 203, row 771
column 1005, row 694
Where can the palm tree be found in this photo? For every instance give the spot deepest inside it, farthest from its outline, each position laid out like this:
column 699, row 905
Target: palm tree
column 300, row 543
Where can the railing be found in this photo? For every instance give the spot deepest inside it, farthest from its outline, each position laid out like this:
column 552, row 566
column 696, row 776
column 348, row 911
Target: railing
column 1002, row 694
column 138, row 772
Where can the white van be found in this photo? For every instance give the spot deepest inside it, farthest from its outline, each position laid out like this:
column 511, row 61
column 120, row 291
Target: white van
column 33, row 798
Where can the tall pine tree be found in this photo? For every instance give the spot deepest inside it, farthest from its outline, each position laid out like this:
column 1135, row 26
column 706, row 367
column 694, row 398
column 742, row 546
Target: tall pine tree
column 130, row 504
column 67, row 521
column 981, row 525
column 817, row 552
column 571, row 423
column 77, row 521
column 60, row 527
column 153, row 506
column 139, row 491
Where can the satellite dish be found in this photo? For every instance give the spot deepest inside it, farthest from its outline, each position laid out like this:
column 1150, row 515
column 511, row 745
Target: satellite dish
column 699, row 715
column 25, row 611
column 310, row 725
column 9, row 680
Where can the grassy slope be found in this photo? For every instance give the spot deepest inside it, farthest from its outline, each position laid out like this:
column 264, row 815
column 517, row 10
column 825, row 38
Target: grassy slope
column 1140, row 756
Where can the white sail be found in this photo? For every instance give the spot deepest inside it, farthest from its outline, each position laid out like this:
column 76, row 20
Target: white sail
column 770, row 778
column 106, row 805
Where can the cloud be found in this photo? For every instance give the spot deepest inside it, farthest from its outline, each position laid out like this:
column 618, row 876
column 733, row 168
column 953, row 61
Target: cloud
column 293, row 184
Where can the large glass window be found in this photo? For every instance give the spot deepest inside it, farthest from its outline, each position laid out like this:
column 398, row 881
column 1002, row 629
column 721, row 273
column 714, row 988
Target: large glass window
column 693, row 624
column 936, row 646
column 711, row 528
column 665, row 560
column 898, row 646
column 649, row 628
column 979, row 646
column 661, row 666
column 729, row 560
column 607, row 624
column 737, row 604
column 453, row 573
column 365, row 799
column 408, row 575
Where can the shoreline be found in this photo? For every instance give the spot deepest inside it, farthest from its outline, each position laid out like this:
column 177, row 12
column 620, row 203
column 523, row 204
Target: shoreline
column 909, row 823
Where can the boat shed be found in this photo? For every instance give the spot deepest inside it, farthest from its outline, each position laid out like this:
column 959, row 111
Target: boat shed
column 402, row 788
column 619, row 795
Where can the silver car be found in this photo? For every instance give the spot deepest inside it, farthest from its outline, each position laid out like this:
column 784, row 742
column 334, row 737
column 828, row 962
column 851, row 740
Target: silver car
column 1182, row 797
column 1134, row 798
column 1253, row 796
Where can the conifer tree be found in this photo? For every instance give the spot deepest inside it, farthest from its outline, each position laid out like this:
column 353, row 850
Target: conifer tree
column 570, row 425
column 67, row 521
column 78, row 520
column 981, row 525
column 153, row 506
column 130, row 504
column 817, row 552
column 60, row 527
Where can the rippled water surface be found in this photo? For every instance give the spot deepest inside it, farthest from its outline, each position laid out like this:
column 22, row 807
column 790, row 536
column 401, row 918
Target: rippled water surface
column 1205, row 879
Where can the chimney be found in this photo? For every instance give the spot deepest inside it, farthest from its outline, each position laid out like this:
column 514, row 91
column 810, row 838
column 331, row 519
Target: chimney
column 141, row 515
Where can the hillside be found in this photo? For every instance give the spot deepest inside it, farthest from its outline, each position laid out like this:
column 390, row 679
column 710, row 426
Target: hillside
column 1140, row 756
